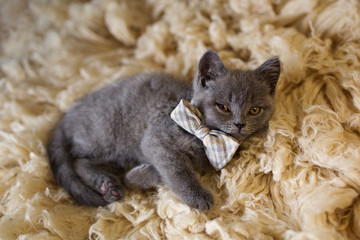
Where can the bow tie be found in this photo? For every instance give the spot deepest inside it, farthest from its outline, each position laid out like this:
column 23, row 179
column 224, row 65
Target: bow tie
column 219, row 147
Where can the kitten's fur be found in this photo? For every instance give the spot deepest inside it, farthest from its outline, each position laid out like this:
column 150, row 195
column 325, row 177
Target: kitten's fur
column 125, row 130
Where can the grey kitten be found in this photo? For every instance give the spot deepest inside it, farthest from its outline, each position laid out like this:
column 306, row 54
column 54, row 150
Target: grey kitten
column 122, row 135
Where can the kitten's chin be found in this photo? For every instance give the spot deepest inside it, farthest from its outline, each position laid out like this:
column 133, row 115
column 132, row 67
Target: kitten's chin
column 238, row 136
column 241, row 136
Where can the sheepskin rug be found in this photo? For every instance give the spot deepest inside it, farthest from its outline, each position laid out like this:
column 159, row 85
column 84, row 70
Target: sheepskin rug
column 299, row 181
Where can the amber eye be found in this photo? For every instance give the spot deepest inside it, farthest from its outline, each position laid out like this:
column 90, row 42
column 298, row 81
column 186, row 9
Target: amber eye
column 255, row 110
column 223, row 107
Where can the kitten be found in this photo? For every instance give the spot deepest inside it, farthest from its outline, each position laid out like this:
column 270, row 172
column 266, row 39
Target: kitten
column 122, row 135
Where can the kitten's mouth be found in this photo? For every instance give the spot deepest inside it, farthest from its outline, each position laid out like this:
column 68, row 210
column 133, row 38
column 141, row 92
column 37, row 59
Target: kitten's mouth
column 237, row 135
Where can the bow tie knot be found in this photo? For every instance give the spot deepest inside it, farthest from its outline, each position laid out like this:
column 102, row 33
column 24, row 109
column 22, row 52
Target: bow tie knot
column 201, row 132
column 219, row 147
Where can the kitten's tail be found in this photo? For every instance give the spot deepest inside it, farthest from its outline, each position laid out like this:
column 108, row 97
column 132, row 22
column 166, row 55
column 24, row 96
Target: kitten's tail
column 61, row 163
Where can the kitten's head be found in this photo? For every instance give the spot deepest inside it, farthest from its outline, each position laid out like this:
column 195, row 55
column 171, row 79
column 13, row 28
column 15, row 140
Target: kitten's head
column 236, row 102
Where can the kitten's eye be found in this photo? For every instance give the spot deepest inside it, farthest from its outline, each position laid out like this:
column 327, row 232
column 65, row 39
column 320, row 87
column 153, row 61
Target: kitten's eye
column 223, row 107
column 255, row 110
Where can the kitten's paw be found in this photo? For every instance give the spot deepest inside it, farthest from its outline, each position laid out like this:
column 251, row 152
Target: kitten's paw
column 111, row 192
column 201, row 199
column 142, row 177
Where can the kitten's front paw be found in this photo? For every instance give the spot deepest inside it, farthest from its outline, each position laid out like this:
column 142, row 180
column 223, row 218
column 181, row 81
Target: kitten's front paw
column 201, row 199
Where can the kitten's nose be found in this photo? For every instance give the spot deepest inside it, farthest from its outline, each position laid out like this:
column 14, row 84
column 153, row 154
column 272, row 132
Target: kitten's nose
column 239, row 125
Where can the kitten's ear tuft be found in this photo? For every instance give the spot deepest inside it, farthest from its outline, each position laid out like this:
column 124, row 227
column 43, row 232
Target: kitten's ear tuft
column 210, row 67
column 269, row 71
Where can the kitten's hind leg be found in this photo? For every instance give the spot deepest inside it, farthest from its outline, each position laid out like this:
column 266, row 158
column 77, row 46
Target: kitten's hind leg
column 143, row 176
column 100, row 178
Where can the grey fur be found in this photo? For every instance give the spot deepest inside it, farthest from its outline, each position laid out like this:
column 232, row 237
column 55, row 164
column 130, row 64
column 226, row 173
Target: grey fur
column 122, row 135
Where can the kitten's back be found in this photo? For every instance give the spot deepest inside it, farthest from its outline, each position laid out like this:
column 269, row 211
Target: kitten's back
column 112, row 120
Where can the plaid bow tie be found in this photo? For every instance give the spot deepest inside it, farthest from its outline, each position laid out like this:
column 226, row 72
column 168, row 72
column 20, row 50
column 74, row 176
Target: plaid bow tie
column 219, row 147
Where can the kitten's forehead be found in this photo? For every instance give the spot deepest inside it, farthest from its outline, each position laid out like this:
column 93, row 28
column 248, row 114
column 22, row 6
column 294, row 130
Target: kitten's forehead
column 240, row 87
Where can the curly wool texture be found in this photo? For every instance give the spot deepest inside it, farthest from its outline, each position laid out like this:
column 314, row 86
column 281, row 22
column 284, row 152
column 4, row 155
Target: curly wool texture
column 301, row 181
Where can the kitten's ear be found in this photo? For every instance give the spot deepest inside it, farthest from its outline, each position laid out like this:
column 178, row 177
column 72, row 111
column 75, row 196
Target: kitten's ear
column 210, row 67
column 269, row 71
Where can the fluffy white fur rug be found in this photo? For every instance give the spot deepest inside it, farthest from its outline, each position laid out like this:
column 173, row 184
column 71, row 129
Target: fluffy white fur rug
column 301, row 181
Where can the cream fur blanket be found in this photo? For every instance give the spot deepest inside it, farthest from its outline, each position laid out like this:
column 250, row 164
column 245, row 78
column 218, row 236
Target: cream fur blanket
column 301, row 181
